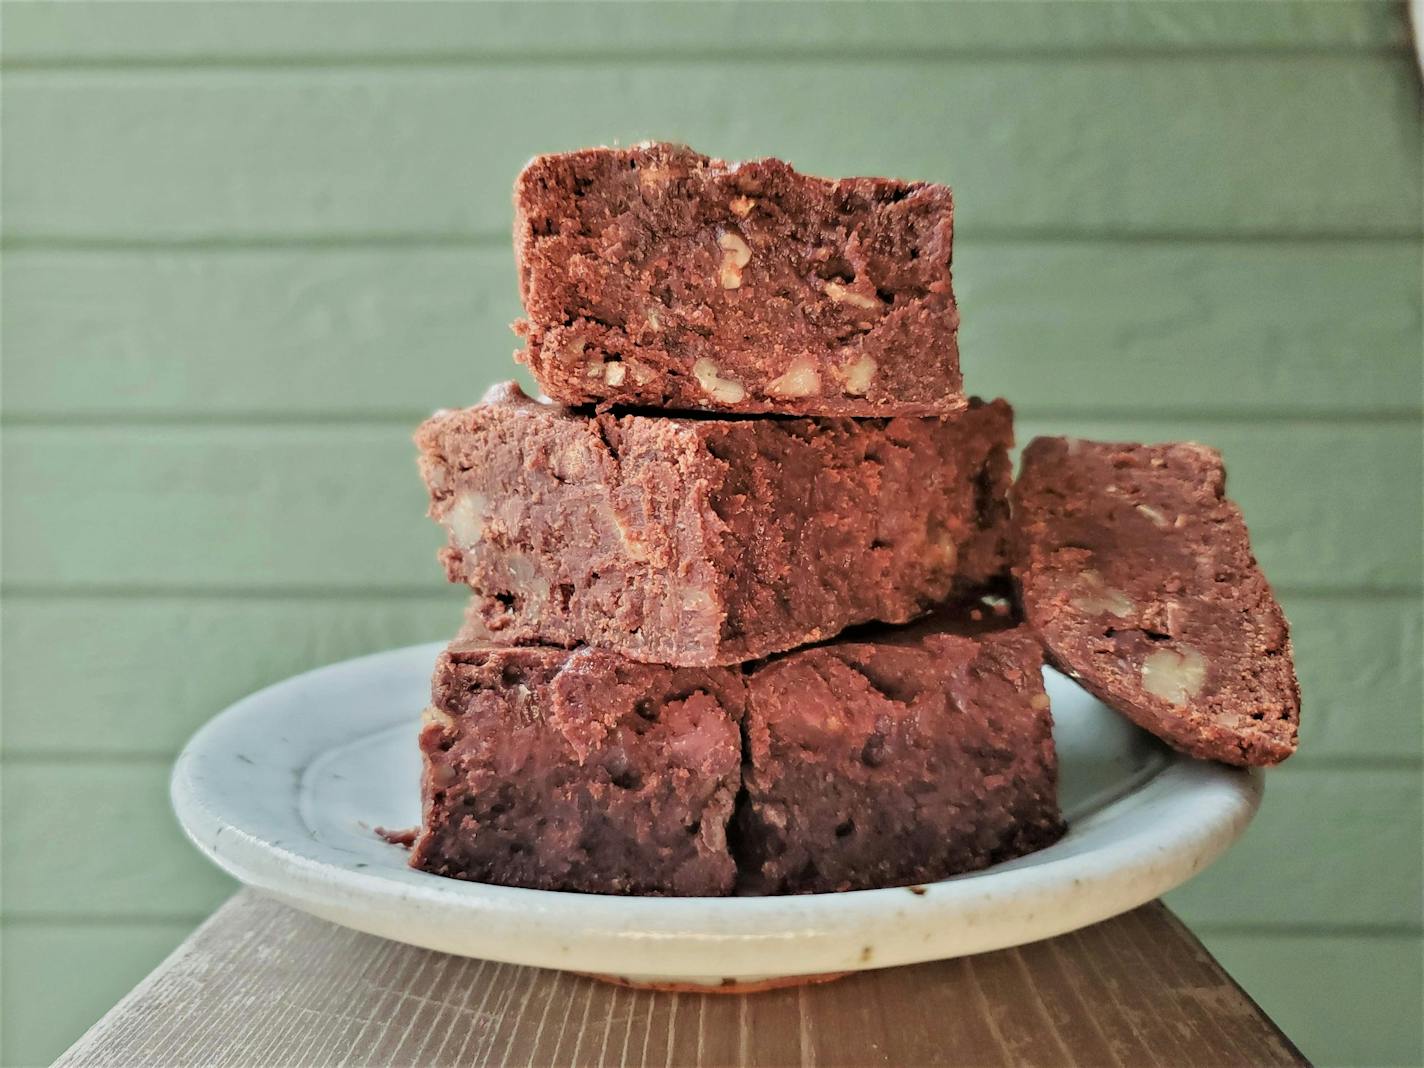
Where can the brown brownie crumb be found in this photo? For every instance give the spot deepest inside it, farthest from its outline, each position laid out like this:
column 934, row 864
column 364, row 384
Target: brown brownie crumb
column 403, row 837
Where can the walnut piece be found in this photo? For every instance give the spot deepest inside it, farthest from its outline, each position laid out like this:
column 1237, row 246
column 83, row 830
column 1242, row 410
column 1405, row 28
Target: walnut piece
column 613, row 373
column 572, row 350
column 442, row 776
column 432, row 716
column 1038, row 702
column 800, row 380
column 631, row 539
column 841, row 295
column 858, row 373
column 1175, row 675
column 742, row 206
column 1153, row 514
column 466, row 517
column 726, row 390
column 652, row 179
column 1094, row 596
column 943, row 549
column 736, row 254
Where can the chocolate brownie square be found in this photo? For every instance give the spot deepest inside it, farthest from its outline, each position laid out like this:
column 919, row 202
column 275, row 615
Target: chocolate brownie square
column 655, row 276
column 898, row 757
column 700, row 541
column 579, row 770
column 1137, row 572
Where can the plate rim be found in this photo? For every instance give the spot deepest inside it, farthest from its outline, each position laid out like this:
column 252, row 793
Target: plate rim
column 701, row 938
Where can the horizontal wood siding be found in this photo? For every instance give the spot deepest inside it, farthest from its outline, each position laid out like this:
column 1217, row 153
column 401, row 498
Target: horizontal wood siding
column 280, row 506
column 247, row 246
column 167, row 878
column 155, row 666
column 303, row 32
column 1031, row 147
column 1295, row 328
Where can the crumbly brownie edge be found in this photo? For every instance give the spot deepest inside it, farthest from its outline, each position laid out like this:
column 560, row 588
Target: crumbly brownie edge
column 872, row 764
column 655, row 276
column 1137, row 573
column 579, row 771
column 571, row 529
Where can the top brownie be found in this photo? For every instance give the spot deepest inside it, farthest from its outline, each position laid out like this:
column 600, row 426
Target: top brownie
column 1137, row 573
column 655, row 276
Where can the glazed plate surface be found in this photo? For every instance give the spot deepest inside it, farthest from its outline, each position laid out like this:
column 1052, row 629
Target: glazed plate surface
column 284, row 789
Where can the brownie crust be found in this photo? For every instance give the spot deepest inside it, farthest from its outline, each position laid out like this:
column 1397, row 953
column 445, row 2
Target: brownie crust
column 701, row 541
column 579, row 770
column 655, row 276
column 887, row 762
column 1137, row 573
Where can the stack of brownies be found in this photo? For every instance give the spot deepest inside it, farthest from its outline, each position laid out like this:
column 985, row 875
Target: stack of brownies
column 739, row 617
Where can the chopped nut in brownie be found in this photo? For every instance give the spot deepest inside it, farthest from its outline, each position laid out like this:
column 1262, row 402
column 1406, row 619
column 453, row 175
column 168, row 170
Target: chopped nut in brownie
column 735, row 287
column 698, row 541
column 1137, row 572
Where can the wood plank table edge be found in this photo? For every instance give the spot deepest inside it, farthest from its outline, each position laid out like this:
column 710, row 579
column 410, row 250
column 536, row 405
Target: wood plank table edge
column 259, row 983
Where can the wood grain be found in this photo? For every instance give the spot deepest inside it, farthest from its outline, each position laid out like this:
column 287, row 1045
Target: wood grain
column 347, row 332
column 1032, row 148
column 262, row 984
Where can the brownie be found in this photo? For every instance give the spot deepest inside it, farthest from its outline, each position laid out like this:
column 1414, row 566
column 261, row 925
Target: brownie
column 899, row 758
column 1137, row 572
column 698, row 541
column 891, row 756
column 655, row 276
column 579, row 770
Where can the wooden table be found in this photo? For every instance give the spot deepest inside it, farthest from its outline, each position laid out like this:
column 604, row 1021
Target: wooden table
column 262, row 985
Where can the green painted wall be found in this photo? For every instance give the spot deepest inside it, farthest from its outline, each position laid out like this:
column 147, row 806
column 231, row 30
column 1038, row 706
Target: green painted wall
column 248, row 246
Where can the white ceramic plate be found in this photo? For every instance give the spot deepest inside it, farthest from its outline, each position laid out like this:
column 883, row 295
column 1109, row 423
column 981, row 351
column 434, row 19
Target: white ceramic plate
column 283, row 789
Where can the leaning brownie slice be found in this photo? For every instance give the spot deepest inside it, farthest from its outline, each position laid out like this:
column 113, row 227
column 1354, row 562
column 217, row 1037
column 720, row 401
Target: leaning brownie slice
column 1137, row 573
column 579, row 771
column 699, row 541
column 900, row 757
column 656, row 276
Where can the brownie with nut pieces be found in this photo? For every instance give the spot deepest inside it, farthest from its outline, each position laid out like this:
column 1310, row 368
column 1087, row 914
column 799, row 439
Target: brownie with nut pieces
column 654, row 276
column 897, row 757
column 1137, row 572
column 700, row 541
column 579, row 770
